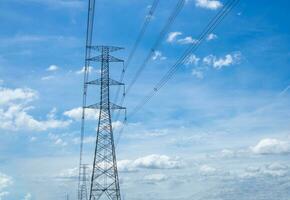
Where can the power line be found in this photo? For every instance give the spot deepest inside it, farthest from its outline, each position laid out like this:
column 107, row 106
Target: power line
column 161, row 35
column 137, row 42
column 89, row 37
column 209, row 28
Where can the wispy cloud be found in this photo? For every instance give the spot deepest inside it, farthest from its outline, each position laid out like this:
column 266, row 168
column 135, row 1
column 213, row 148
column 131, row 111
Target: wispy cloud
column 46, row 78
column 158, row 56
column 174, row 37
column 82, row 70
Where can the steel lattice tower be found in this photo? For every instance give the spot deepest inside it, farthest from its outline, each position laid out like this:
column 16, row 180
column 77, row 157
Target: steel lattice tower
column 105, row 181
column 83, row 189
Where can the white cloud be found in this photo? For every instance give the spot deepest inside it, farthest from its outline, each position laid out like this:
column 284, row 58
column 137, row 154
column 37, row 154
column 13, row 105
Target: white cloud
column 172, row 36
column 153, row 178
column 153, row 161
column 219, row 63
column 15, row 118
column 271, row 146
column 5, row 181
column 19, row 94
column 198, row 74
column 76, row 113
column 192, row 59
column 117, row 124
column 207, row 170
column 46, row 78
column 187, row 40
column 211, row 36
column 272, row 170
column 71, row 173
column 33, row 139
column 86, row 140
column 14, row 111
column 81, row 71
column 28, row 196
column 227, row 153
column 57, row 140
column 158, row 56
column 52, row 68
column 208, row 4
column 3, row 194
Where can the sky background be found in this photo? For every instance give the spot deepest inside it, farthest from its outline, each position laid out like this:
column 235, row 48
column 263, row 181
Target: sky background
column 219, row 130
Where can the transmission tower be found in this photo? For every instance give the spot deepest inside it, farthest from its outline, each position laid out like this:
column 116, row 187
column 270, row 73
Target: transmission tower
column 104, row 180
column 83, row 183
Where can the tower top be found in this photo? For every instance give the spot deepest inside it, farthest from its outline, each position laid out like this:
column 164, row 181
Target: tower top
column 102, row 47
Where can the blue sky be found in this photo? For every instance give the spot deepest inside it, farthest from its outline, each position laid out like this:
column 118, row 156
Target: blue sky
column 218, row 130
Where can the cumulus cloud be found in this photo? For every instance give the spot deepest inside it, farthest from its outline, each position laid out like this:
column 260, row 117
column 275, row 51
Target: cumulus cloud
column 5, row 181
column 16, row 117
column 76, row 113
column 219, row 63
column 52, row 68
column 271, row 146
column 19, row 94
column 158, row 56
column 14, row 110
column 211, row 36
column 153, row 161
column 270, row 170
column 201, row 65
column 209, row 4
column 192, row 59
column 172, row 36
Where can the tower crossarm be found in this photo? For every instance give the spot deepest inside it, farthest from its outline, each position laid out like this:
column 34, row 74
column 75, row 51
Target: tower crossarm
column 100, row 81
column 110, row 106
column 108, row 58
column 101, row 47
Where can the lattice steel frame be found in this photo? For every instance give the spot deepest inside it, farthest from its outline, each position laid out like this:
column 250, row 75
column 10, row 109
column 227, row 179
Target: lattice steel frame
column 105, row 181
column 84, row 182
